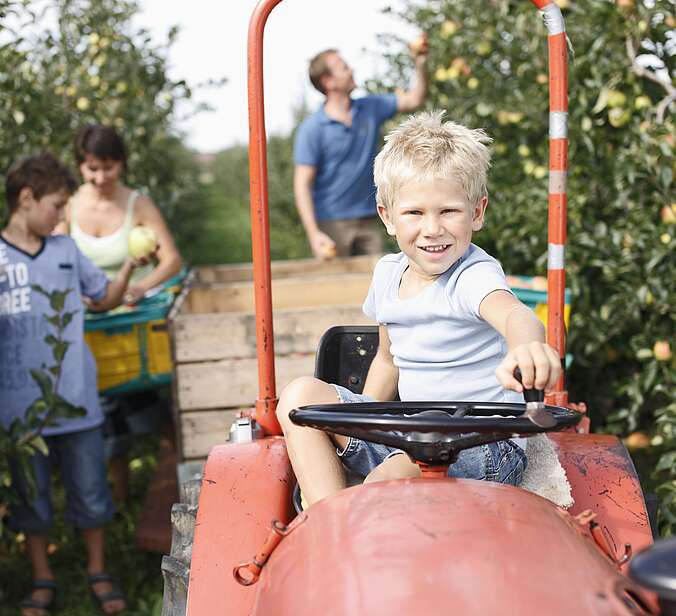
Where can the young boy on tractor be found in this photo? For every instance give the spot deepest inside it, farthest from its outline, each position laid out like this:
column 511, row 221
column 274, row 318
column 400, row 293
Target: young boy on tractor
column 449, row 326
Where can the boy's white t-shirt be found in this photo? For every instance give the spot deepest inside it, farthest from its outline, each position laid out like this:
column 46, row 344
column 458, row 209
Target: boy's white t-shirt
column 443, row 348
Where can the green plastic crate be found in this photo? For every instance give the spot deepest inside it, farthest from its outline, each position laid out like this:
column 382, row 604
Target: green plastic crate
column 131, row 345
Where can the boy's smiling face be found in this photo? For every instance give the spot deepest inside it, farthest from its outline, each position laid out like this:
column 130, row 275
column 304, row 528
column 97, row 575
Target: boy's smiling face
column 433, row 222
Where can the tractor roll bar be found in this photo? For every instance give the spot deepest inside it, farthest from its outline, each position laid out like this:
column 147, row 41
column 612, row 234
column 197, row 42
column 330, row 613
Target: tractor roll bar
column 260, row 225
column 260, row 232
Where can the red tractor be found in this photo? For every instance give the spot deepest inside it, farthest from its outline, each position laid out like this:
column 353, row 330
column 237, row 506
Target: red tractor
column 432, row 545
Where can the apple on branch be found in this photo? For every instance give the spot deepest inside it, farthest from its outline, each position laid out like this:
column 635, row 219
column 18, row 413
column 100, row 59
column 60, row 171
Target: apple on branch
column 419, row 46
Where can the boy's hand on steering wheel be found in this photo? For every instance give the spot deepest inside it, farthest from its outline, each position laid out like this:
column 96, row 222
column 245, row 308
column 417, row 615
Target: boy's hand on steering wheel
column 539, row 364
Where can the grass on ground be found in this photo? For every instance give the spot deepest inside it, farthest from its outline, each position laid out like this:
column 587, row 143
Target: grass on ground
column 138, row 573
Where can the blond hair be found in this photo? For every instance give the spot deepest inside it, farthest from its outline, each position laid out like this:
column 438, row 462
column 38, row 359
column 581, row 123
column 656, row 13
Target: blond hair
column 424, row 147
column 319, row 68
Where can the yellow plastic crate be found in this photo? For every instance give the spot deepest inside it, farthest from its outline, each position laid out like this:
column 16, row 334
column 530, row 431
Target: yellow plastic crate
column 117, row 355
column 131, row 345
column 132, row 356
column 159, row 349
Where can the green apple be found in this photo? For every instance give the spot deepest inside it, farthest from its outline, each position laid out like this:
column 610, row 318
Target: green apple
column 448, row 28
column 616, row 98
column 142, row 242
column 483, row 109
column 618, row 117
column 641, row 102
column 483, row 48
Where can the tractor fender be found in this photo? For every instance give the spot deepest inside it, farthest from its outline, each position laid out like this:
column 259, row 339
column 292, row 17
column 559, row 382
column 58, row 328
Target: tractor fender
column 442, row 546
column 603, row 479
column 245, row 486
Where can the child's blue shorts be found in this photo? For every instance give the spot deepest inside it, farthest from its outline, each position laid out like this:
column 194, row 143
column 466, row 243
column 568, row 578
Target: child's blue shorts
column 79, row 456
column 504, row 461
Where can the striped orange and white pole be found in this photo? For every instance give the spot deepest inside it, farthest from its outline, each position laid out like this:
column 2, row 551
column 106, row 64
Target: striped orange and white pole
column 558, row 168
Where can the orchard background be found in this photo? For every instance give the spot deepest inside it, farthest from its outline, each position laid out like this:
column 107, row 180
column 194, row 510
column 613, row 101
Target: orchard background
column 488, row 68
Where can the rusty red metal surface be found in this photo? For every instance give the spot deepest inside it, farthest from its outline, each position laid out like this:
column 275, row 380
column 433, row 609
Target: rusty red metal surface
column 244, row 487
column 420, row 543
column 604, row 480
column 432, row 546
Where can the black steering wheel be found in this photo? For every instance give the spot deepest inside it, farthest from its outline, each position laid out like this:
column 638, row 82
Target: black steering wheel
column 430, row 432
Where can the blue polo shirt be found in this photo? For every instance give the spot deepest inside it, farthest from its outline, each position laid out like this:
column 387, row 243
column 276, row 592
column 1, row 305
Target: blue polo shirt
column 343, row 157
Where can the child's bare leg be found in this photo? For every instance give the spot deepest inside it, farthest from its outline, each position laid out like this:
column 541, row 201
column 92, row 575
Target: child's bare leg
column 94, row 540
column 312, row 452
column 36, row 545
column 396, row 467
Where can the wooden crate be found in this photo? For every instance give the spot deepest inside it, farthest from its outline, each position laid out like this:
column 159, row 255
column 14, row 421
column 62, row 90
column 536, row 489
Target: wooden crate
column 213, row 334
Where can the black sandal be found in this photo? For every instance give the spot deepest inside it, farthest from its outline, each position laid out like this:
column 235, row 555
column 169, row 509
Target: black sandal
column 103, row 598
column 45, row 606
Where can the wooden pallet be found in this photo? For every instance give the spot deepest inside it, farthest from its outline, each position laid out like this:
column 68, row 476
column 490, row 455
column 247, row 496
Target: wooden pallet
column 213, row 335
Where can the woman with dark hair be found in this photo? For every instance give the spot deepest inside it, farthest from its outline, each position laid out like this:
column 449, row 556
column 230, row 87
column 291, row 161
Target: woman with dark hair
column 103, row 211
column 99, row 218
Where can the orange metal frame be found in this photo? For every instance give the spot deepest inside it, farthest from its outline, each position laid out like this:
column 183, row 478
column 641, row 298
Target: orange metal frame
column 558, row 165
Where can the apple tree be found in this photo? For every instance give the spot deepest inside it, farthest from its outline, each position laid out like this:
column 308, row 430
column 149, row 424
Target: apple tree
column 66, row 63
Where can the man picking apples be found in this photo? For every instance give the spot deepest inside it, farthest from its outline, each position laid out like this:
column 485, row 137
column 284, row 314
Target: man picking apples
column 334, row 152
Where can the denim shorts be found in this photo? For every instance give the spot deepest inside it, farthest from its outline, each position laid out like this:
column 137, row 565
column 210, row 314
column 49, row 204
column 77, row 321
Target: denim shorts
column 79, row 456
column 504, row 461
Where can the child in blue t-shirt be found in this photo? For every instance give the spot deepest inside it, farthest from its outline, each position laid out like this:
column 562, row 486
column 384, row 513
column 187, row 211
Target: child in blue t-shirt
column 449, row 326
column 37, row 189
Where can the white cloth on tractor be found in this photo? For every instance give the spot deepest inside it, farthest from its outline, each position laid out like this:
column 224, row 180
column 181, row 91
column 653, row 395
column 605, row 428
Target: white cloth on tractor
column 544, row 474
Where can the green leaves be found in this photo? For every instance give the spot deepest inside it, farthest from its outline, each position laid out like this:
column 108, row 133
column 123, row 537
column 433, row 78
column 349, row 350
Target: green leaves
column 66, row 318
column 43, row 381
column 61, row 408
column 59, row 350
column 39, row 445
column 57, row 299
column 92, row 64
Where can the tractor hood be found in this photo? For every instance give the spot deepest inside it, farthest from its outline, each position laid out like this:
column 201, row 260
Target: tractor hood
column 441, row 546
